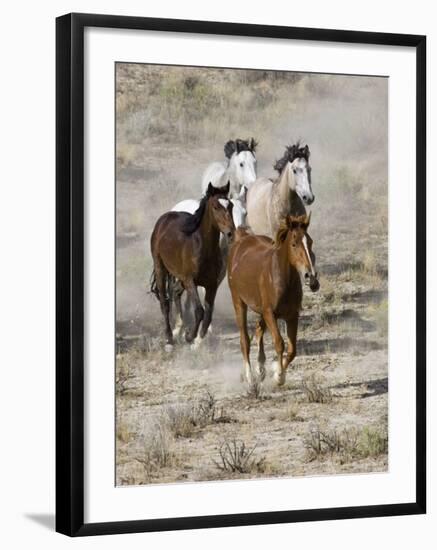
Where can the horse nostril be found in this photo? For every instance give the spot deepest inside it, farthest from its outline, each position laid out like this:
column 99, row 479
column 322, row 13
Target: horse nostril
column 305, row 198
column 307, row 275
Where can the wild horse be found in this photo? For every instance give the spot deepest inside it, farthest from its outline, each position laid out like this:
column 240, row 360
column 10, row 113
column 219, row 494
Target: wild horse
column 185, row 247
column 266, row 276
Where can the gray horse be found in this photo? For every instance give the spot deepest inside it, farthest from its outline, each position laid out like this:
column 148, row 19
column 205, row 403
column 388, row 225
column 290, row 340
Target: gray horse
column 239, row 168
column 269, row 201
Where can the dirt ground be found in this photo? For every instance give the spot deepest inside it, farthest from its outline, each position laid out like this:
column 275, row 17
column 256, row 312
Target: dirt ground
column 186, row 415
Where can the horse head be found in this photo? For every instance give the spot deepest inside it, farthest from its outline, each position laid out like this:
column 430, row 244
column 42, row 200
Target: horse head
column 213, row 191
column 296, row 161
column 221, row 212
column 242, row 162
column 293, row 234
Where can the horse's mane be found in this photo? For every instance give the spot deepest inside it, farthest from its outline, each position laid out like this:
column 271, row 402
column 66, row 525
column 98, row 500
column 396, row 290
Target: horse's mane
column 193, row 221
column 292, row 152
column 238, row 145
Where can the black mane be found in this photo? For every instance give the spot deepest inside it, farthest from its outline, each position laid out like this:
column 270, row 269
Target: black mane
column 193, row 221
column 292, row 152
column 238, row 145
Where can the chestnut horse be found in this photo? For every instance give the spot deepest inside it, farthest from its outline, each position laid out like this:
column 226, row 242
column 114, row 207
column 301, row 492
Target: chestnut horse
column 266, row 276
column 185, row 247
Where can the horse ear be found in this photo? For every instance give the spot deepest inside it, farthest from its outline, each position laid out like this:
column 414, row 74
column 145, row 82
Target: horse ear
column 229, row 148
column 243, row 193
column 210, row 190
column 306, row 152
column 282, row 232
column 238, row 146
column 253, row 145
column 308, row 219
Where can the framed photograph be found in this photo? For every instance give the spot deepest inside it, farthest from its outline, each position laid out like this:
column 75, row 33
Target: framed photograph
column 240, row 274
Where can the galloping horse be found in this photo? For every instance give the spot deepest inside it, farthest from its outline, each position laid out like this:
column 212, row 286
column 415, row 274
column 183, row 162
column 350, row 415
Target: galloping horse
column 239, row 214
column 266, row 276
column 239, row 167
column 186, row 247
column 269, row 201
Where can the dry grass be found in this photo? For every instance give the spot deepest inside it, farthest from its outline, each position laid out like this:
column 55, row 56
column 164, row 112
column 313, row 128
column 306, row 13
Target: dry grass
column 182, row 420
column 372, row 442
column 291, row 412
column 237, row 457
column 346, row 444
column 315, row 391
column 124, row 432
column 380, row 314
column 122, row 374
column 156, row 452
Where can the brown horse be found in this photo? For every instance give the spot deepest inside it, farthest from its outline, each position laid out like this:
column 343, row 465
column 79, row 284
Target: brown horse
column 266, row 276
column 186, row 247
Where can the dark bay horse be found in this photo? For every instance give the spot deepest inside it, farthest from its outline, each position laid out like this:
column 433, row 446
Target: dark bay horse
column 267, row 276
column 185, row 247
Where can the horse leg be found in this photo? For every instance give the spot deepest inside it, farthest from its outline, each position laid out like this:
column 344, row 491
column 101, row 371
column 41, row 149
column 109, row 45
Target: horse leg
column 161, row 275
column 241, row 318
column 292, row 324
column 259, row 335
column 278, row 369
column 193, row 296
column 210, row 295
column 179, row 322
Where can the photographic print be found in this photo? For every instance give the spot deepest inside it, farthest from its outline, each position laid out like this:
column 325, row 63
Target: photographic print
column 251, row 274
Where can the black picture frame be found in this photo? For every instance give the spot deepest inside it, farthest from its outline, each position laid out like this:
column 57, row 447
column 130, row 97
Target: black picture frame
column 70, row 273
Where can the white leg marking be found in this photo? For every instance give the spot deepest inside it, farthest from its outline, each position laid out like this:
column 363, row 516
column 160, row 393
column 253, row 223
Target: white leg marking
column 248, row 373
column 198, row 340
column 178, row 326
column 278, row 373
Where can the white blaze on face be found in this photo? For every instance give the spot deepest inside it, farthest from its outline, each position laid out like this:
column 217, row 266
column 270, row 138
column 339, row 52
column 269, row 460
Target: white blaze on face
column 307, row 252
column 224, row 203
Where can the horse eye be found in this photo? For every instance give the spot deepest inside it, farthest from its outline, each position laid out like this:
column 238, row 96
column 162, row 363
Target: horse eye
column 241, row 164
column 294, row 170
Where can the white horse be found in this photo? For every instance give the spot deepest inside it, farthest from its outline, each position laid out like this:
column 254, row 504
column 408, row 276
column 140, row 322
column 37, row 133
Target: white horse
column 269, row 201
column 239, row 167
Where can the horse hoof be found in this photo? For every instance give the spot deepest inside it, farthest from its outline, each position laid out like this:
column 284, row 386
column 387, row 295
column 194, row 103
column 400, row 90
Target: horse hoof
column 168, row 348
column 195, row 345
column 279, row 378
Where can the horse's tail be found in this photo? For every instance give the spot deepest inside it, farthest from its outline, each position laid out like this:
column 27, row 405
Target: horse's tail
column 153, row 285
column 172, row 286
